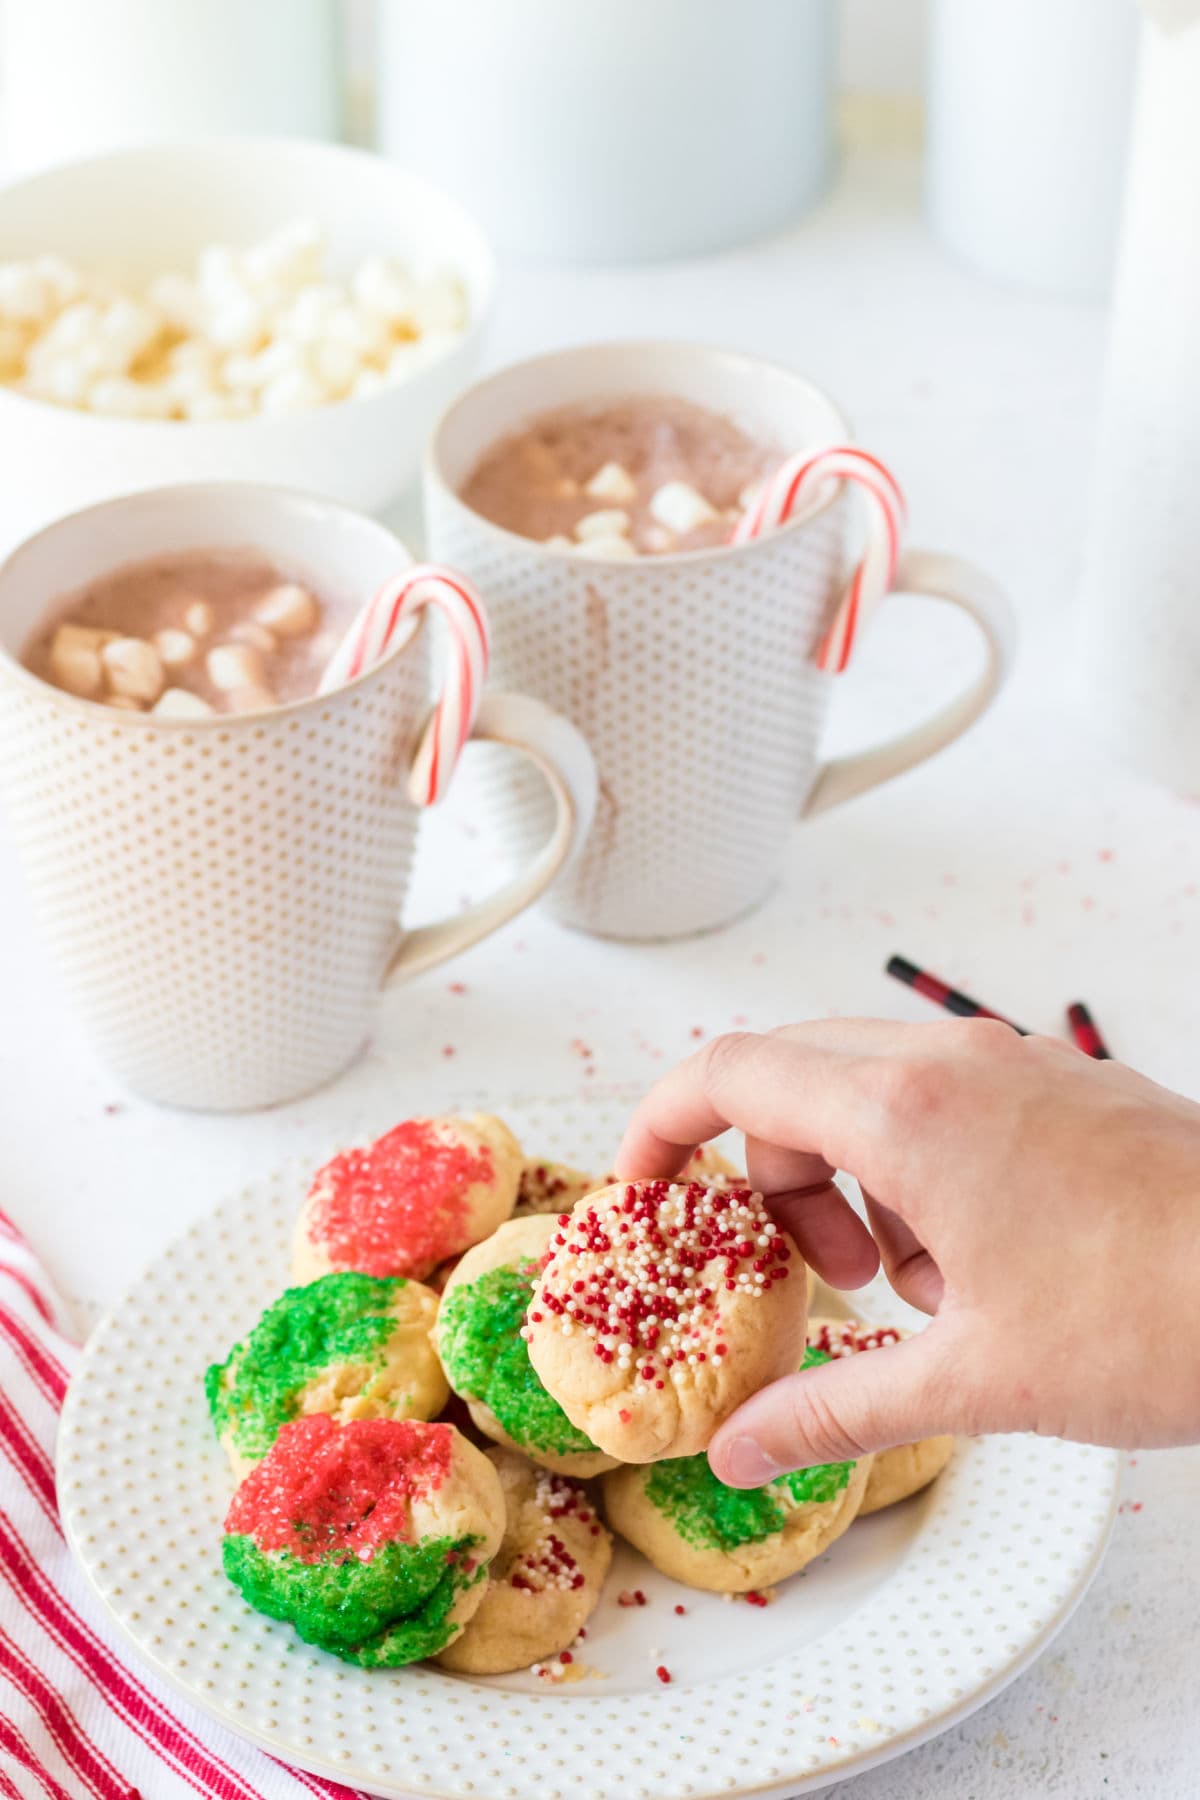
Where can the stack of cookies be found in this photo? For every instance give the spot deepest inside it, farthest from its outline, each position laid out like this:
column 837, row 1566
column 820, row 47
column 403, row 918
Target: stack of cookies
column 475, row 1335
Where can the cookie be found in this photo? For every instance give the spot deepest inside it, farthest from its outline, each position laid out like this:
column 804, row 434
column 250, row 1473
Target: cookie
column 423, row 1192
column 352, row 1346
column 550, row 1187
column 907, row 1468
column 544, row 1580
column 664, row 1306
column 707, row 1164
column 732, row 1540
column 372, row 1539
column 486, row 1359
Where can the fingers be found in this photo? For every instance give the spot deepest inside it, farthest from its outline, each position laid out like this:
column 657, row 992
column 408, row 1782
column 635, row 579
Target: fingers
column 843, row 1409
column 909, row 1266
column 831, row 1236
column 803, row 1088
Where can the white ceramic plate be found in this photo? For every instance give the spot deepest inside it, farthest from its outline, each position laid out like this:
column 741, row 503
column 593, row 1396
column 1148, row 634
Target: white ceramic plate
column 913, row 1619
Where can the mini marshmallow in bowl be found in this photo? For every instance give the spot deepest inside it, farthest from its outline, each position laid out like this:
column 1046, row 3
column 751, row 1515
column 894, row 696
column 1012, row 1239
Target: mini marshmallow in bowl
column 161, row 321
column 268, row 329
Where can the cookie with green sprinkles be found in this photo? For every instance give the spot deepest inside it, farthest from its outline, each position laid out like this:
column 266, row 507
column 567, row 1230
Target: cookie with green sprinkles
column 353, row 1346
column 905, row 1469
column 485, row 1357
column 732, row 1540
column 371, row 1539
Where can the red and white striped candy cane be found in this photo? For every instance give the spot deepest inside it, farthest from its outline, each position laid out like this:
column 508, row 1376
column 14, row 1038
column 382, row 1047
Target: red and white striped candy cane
column 387, row 618
column 808, row 477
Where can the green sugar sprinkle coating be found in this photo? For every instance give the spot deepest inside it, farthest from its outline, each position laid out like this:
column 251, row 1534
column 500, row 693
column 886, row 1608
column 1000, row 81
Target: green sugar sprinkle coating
column 710, row 1516
column 486, row 1358
column 340, row 1318
column 382, row 1614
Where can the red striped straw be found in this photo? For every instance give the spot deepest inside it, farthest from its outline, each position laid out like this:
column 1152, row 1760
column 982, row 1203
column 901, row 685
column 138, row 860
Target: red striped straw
column 951, row 1000
column 807, row 479
column 1085, row 1032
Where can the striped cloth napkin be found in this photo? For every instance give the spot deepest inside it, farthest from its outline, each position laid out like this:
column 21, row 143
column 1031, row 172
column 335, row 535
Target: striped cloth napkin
column 76, row 1722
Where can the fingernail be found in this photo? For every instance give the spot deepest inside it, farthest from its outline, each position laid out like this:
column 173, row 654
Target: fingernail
column 748, row 1464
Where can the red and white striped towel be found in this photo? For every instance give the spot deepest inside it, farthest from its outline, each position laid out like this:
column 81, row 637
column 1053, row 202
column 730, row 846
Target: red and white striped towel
column 76, row 1721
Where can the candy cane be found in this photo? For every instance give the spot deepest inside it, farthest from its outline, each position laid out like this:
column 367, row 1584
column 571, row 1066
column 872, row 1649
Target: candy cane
column 810, row 477
column 389, row 617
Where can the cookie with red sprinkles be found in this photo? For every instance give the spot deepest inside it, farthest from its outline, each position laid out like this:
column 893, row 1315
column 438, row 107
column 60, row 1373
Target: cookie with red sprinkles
column 422, row 1193
column 551, row 1187
column 906, row 1468
column 662, row 1306
column 372, row 1539
column 545, row 1579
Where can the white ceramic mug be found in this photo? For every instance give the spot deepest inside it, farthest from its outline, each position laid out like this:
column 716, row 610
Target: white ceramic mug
column 224, row 895
column 691, row 675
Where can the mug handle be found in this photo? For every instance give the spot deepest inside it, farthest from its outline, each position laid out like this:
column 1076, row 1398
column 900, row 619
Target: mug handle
column 936, row 577
column 562, row 755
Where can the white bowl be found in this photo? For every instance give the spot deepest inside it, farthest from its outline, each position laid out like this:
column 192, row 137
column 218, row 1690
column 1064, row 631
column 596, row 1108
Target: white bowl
column 136, row 213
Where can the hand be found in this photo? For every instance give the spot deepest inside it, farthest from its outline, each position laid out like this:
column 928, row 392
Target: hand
column 1044, row 1207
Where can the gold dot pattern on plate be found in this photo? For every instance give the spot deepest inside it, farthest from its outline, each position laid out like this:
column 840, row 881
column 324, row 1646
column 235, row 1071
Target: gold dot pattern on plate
column 223, row 898
column 912, row 1618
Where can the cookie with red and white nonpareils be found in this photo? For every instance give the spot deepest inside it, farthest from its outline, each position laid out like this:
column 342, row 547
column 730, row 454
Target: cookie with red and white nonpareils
column 551, row 1187
column 544, row 1580
column 424, row 1192
column 907, row 1468
column 661, row 1307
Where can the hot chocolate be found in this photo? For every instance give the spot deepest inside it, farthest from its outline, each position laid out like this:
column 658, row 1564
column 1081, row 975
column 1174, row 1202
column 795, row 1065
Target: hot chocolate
column 187, row 635
column 644, row 476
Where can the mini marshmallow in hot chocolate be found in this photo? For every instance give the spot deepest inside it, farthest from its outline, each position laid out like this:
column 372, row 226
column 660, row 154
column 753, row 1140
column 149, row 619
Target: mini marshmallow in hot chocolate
column 612, row 482
column 660, row 1308
column 681, row 508
column 606, row 549
column 181, row 703
column 133, row 669
column 75, row 660
column 610, row 522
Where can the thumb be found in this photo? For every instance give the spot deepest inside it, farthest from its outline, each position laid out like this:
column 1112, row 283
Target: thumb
column 842, row 1409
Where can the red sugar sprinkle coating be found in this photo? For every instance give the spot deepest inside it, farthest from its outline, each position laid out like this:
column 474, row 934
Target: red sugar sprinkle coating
column 663, row 1673
column 755, row 1599
column 681, row 1610
column 657, row 1259
column 340, row 1489
column 845, row 1337
column 399, row 1206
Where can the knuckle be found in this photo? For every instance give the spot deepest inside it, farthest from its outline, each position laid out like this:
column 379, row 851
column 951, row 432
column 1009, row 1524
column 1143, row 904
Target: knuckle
column 912, row 1090
column 816, row 1425
column 721, row 1055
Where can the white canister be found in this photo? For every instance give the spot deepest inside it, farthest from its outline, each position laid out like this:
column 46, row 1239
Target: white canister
column 81, row 76
column 1029, row 104
column 1141, row 594
column 614, row 132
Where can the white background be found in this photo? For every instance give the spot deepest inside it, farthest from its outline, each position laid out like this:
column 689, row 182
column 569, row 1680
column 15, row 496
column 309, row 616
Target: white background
column 1022, row 863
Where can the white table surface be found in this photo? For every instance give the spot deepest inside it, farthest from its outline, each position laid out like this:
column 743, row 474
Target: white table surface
column 1021, row 863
